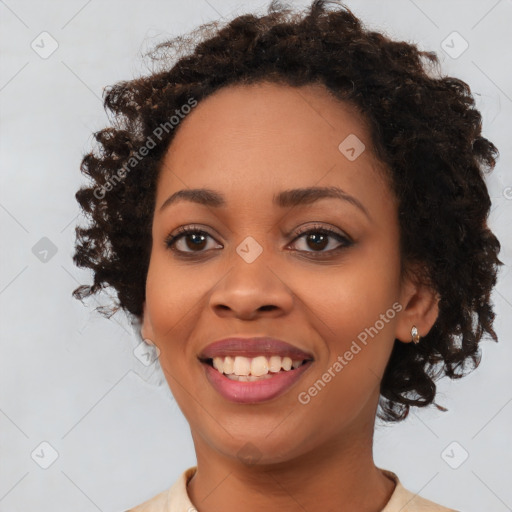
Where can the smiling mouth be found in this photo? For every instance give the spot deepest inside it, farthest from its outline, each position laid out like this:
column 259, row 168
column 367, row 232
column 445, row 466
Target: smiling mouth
column 249, row 369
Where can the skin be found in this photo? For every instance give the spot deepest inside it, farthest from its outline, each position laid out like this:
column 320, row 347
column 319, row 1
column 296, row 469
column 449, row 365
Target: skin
column 250, row 142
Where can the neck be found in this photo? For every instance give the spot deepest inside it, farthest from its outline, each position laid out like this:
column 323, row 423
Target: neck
column 337, row 475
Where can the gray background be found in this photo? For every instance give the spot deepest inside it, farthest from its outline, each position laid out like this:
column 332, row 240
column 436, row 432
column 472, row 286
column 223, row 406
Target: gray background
column 74, row 380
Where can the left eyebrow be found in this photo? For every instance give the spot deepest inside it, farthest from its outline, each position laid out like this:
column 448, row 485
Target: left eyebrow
column 284, row 199
column 301, row 196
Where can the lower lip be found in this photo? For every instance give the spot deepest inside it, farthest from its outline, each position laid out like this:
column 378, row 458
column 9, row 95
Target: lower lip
column 256, row 391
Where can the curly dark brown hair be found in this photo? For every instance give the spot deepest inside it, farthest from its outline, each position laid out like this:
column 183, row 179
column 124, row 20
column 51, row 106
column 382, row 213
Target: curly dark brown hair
column 425, row 128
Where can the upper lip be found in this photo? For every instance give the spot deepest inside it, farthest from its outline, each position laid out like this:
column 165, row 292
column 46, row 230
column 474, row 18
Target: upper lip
column 253, row 347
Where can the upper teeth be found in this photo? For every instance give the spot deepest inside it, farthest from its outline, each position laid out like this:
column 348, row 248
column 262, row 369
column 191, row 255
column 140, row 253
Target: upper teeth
column 256, row 366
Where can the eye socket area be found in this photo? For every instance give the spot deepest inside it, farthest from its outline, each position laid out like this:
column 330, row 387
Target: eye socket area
column 184, row 232
column 198, row 236
column 343, row 239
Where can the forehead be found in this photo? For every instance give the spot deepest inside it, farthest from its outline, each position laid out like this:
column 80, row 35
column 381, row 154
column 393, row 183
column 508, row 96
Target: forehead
column 270, row 136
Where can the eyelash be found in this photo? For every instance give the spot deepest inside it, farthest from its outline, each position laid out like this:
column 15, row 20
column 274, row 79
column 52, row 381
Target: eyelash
column 183, row 231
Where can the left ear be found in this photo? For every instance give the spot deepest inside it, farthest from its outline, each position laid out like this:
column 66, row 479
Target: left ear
column 420, row 307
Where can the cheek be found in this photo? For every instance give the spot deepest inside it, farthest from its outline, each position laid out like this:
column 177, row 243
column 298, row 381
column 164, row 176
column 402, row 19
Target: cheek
column 173, row 297
column 352, row 296
column 355, row 306
column 357, row 323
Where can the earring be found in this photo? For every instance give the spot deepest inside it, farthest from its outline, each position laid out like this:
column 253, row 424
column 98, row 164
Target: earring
column 148, row 341
column 415, row 335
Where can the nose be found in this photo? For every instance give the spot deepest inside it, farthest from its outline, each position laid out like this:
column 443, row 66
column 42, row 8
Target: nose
column 250, row 290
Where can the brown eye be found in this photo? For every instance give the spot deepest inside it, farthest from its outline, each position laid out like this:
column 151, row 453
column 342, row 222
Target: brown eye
column 317, row 238
column 194, row 240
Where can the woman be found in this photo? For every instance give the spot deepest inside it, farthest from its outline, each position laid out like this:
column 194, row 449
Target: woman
column 295, row 212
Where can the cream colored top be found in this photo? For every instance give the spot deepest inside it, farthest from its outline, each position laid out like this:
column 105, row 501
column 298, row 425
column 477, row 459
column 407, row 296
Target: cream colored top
column 175, row 499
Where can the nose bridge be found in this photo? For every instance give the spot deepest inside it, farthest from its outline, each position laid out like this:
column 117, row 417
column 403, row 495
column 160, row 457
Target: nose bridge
column 253, row 282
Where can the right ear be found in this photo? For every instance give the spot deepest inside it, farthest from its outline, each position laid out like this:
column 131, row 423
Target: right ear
column 146, row 330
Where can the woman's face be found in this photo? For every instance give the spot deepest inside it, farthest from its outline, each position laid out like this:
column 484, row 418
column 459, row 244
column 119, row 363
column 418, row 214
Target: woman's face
column 339, row 299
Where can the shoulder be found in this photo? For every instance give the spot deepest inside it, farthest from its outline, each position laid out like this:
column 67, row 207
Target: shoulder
column 404, row 500
column 154, row 504
column 174, row 498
